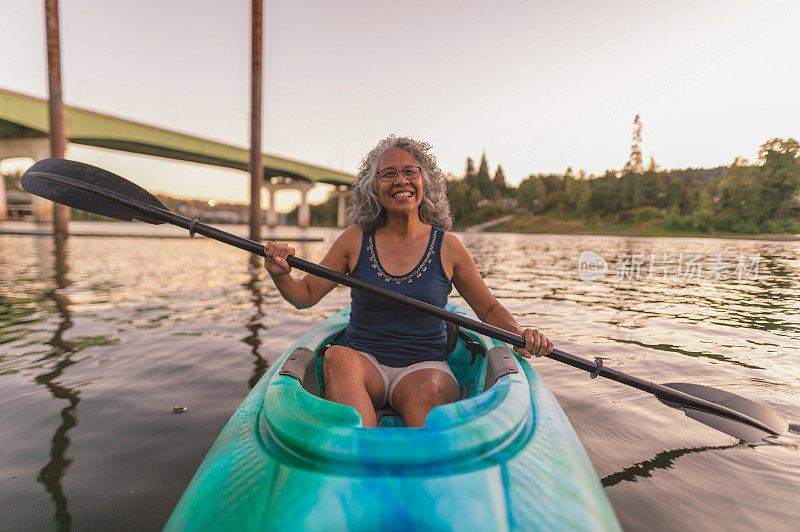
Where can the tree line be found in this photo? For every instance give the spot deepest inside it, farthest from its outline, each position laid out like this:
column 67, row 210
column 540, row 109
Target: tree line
column 744, row 197
column 762, row 197
column 740, row 198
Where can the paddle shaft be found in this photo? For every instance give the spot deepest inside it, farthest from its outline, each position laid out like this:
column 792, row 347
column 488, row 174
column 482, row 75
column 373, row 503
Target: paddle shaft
column 596, row 368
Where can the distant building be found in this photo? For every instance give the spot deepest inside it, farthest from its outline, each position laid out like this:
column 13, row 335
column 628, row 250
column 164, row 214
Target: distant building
column 508, row 202
column 505, row 202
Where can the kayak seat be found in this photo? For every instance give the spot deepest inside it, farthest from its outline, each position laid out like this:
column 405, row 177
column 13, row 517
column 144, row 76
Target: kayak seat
column 300, row 365
column 389, row 417
column 473, row 378
column 500, row 362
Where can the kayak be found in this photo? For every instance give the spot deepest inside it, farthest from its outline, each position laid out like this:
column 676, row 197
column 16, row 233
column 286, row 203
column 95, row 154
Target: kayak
column 503, row 458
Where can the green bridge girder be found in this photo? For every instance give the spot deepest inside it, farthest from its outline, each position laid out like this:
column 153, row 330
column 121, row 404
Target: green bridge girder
column 23, row 116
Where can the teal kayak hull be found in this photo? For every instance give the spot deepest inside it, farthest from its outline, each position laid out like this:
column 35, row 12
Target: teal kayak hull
column 506, row 458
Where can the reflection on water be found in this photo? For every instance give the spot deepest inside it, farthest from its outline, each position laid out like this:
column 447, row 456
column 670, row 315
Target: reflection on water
column 130, row 328
column 254, row 325
column 52, row 473
column 676, row 349
column 662, row 460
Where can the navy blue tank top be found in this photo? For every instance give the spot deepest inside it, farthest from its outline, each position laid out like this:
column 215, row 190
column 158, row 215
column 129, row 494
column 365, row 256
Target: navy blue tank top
column 398, row 336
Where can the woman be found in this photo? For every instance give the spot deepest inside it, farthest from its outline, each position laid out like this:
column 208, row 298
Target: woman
column 397, row 238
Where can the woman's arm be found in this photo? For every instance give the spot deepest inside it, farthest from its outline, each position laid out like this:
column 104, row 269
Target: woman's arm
column 309, row 289
column 473, row 289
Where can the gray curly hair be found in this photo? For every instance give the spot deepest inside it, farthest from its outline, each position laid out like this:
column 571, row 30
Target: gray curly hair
column 367, row 210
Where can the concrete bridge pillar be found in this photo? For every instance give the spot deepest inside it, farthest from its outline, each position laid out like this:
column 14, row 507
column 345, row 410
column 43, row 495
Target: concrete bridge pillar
column 342, row 192
column 304, row 211
column 37, row 149
column 272, row 214
column 3, row 203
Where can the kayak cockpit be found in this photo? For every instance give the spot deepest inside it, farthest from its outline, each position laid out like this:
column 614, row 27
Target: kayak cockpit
column 300, row 425
column 475, row 376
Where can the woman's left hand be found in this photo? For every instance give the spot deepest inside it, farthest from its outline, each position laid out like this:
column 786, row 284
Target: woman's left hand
column 536, row 344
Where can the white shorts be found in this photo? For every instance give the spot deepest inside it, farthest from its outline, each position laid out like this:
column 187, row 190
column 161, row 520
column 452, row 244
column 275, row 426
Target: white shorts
column 391, row 376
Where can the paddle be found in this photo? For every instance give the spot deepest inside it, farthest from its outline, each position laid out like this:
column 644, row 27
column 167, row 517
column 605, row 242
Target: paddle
column 95, row 190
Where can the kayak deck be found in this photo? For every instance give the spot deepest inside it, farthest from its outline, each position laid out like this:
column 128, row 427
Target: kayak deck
column 504, row 458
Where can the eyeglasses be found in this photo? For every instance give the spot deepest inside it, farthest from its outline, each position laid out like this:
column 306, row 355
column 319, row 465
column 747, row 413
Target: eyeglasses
column 390, row 174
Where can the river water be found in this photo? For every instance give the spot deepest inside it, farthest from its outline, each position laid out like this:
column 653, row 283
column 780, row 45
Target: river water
column 102, row 338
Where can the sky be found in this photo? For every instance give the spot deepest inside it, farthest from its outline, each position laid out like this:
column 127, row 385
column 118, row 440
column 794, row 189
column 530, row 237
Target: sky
column 537, row 86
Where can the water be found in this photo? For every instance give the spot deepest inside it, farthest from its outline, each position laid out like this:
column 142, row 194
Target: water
column 101, row 338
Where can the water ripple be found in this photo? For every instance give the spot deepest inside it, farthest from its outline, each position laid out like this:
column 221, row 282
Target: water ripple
column 102, row 338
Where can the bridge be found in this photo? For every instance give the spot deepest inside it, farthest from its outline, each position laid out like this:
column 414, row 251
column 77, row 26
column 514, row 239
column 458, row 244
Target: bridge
column 24, row 127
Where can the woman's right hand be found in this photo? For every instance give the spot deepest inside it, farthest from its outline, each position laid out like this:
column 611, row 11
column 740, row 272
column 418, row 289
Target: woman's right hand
column 275, row 258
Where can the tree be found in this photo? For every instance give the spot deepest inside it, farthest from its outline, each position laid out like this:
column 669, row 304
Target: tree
column 652, row 166
column 531, row 194
column 703, row 217
column 581, row 197
column 779, row 175
column 675, row 194
column 605, row 197
column 740, row 199
column 625, row 189
column 499, row 182
column 638, row 191
column 483, row 178
column 458, row 195
column 579, row 193
column 653, row 189
column 634, row 164
column 789, row 146
column 470, row 170
column 558, row 200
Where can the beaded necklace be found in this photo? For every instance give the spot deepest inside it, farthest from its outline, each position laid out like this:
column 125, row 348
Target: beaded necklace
column 409, row 277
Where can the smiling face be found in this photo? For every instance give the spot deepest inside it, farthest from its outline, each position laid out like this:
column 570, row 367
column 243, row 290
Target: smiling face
column 403, row 195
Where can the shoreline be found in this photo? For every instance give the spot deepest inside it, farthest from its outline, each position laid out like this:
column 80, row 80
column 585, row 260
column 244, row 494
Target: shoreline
column 772, row 237
column 143, row 235
column 15, row 228
column 654, row 228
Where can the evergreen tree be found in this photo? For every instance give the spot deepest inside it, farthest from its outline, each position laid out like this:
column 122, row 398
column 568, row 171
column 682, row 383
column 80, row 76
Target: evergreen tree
column 470, row 170
column 625, row 191
column 582, row 197
column 675, row 195
column 499, row 182
column 634, row 164
column 570, row 189
column 483, row 178
column 637, row 191
column 653, row 189
column 605, row 194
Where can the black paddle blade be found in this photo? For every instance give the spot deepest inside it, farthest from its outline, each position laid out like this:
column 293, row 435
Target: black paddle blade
column 40, row 179
column 734, row 402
